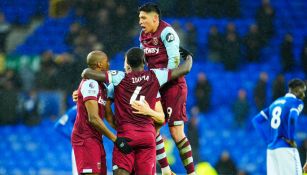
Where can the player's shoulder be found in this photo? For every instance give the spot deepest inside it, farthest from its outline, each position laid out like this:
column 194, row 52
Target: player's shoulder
column 89, row 84
column 169, row 34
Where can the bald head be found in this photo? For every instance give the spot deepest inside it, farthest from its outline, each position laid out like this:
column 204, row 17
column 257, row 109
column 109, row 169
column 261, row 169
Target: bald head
column 97, row 59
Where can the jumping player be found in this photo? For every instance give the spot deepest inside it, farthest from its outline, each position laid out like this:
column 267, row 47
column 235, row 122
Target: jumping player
column 277, row 124
column 161, row 46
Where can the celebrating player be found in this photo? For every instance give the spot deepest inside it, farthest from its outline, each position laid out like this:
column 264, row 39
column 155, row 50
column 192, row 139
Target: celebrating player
column 89, row 126
column 139, row 128
column 277, row 124
column 161, row 46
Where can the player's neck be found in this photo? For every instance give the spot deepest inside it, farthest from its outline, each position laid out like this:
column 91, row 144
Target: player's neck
column 137, row 69
column 155, row 28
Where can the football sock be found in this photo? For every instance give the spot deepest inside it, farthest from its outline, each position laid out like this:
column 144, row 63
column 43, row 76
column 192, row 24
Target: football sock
column 161, row 155
column 185, row 150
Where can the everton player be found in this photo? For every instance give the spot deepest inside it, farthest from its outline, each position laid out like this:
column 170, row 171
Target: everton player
column 277, row 125
column 161, row 46
column 89, row 126
column 137, row 126
column 64, row 125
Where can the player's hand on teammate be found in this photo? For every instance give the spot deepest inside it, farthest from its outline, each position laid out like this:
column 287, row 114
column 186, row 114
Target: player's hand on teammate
column 75, row 96
column 122, row 145
column 184, row 53
column 290, row 142
column 141, row 107
column 85, row 73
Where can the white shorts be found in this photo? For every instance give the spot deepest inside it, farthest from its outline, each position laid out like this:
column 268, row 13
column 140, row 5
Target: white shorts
column 283, row 161
column 73, row 162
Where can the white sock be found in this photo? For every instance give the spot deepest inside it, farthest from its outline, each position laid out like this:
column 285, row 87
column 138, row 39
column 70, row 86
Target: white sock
column 166, row 170
column 192, row 173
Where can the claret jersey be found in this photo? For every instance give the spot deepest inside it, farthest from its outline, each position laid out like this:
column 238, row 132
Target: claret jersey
column 129, row 87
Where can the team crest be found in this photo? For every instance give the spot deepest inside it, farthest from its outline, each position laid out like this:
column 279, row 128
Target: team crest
column 155, row 41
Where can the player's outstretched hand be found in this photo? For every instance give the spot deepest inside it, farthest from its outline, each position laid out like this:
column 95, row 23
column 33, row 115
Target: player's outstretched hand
column 122, row 145
column 75, row 96
column 184, row 53
column 141, row 107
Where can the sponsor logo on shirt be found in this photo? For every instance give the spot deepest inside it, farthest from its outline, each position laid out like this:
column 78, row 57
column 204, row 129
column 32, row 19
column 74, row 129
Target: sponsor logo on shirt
column 151, row 50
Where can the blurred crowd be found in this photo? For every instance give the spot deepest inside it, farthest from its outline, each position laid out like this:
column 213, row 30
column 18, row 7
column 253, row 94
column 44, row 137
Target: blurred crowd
column 112, row 26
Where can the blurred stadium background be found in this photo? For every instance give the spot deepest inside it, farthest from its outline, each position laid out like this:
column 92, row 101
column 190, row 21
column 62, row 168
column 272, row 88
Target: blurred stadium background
column 240, row 66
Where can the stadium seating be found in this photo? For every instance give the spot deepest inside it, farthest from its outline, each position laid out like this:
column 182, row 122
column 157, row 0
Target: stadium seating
column 38, row 149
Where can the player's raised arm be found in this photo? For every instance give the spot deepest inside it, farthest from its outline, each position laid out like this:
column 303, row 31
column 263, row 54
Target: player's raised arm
column 89, row 73
column 142, row 107
column 185, row 67
column 171, row 42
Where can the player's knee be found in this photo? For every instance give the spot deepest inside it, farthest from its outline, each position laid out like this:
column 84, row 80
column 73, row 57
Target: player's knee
column 177, row 133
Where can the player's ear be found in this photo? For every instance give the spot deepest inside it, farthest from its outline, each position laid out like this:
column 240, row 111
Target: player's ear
column 155, row 17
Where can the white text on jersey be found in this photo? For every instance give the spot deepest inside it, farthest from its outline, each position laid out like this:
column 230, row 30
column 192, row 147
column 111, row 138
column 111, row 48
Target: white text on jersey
column 151, row 50
column 138, row 79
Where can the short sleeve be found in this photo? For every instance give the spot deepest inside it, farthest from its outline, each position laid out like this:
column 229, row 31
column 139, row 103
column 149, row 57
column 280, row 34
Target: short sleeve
column 114, row 77
column 89, row 90
column 171, row 42
column 163, row 75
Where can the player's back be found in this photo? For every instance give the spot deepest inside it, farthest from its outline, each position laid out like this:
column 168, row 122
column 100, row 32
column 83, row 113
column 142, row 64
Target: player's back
column 278, row 119
column 137, row 85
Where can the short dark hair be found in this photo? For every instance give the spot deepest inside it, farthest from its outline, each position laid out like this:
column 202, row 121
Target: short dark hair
column 135, row 57
column 296, row 83
column 150, row 7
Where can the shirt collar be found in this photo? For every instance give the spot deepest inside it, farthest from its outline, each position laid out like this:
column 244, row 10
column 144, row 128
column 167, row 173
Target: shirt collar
column 290, row 95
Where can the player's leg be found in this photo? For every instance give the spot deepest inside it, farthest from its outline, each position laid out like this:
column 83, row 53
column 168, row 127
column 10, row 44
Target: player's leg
column 145, row 154
column 174, row 103
column 124, row 163
column 88, row 157
column 184, row 147
column 161, row 154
